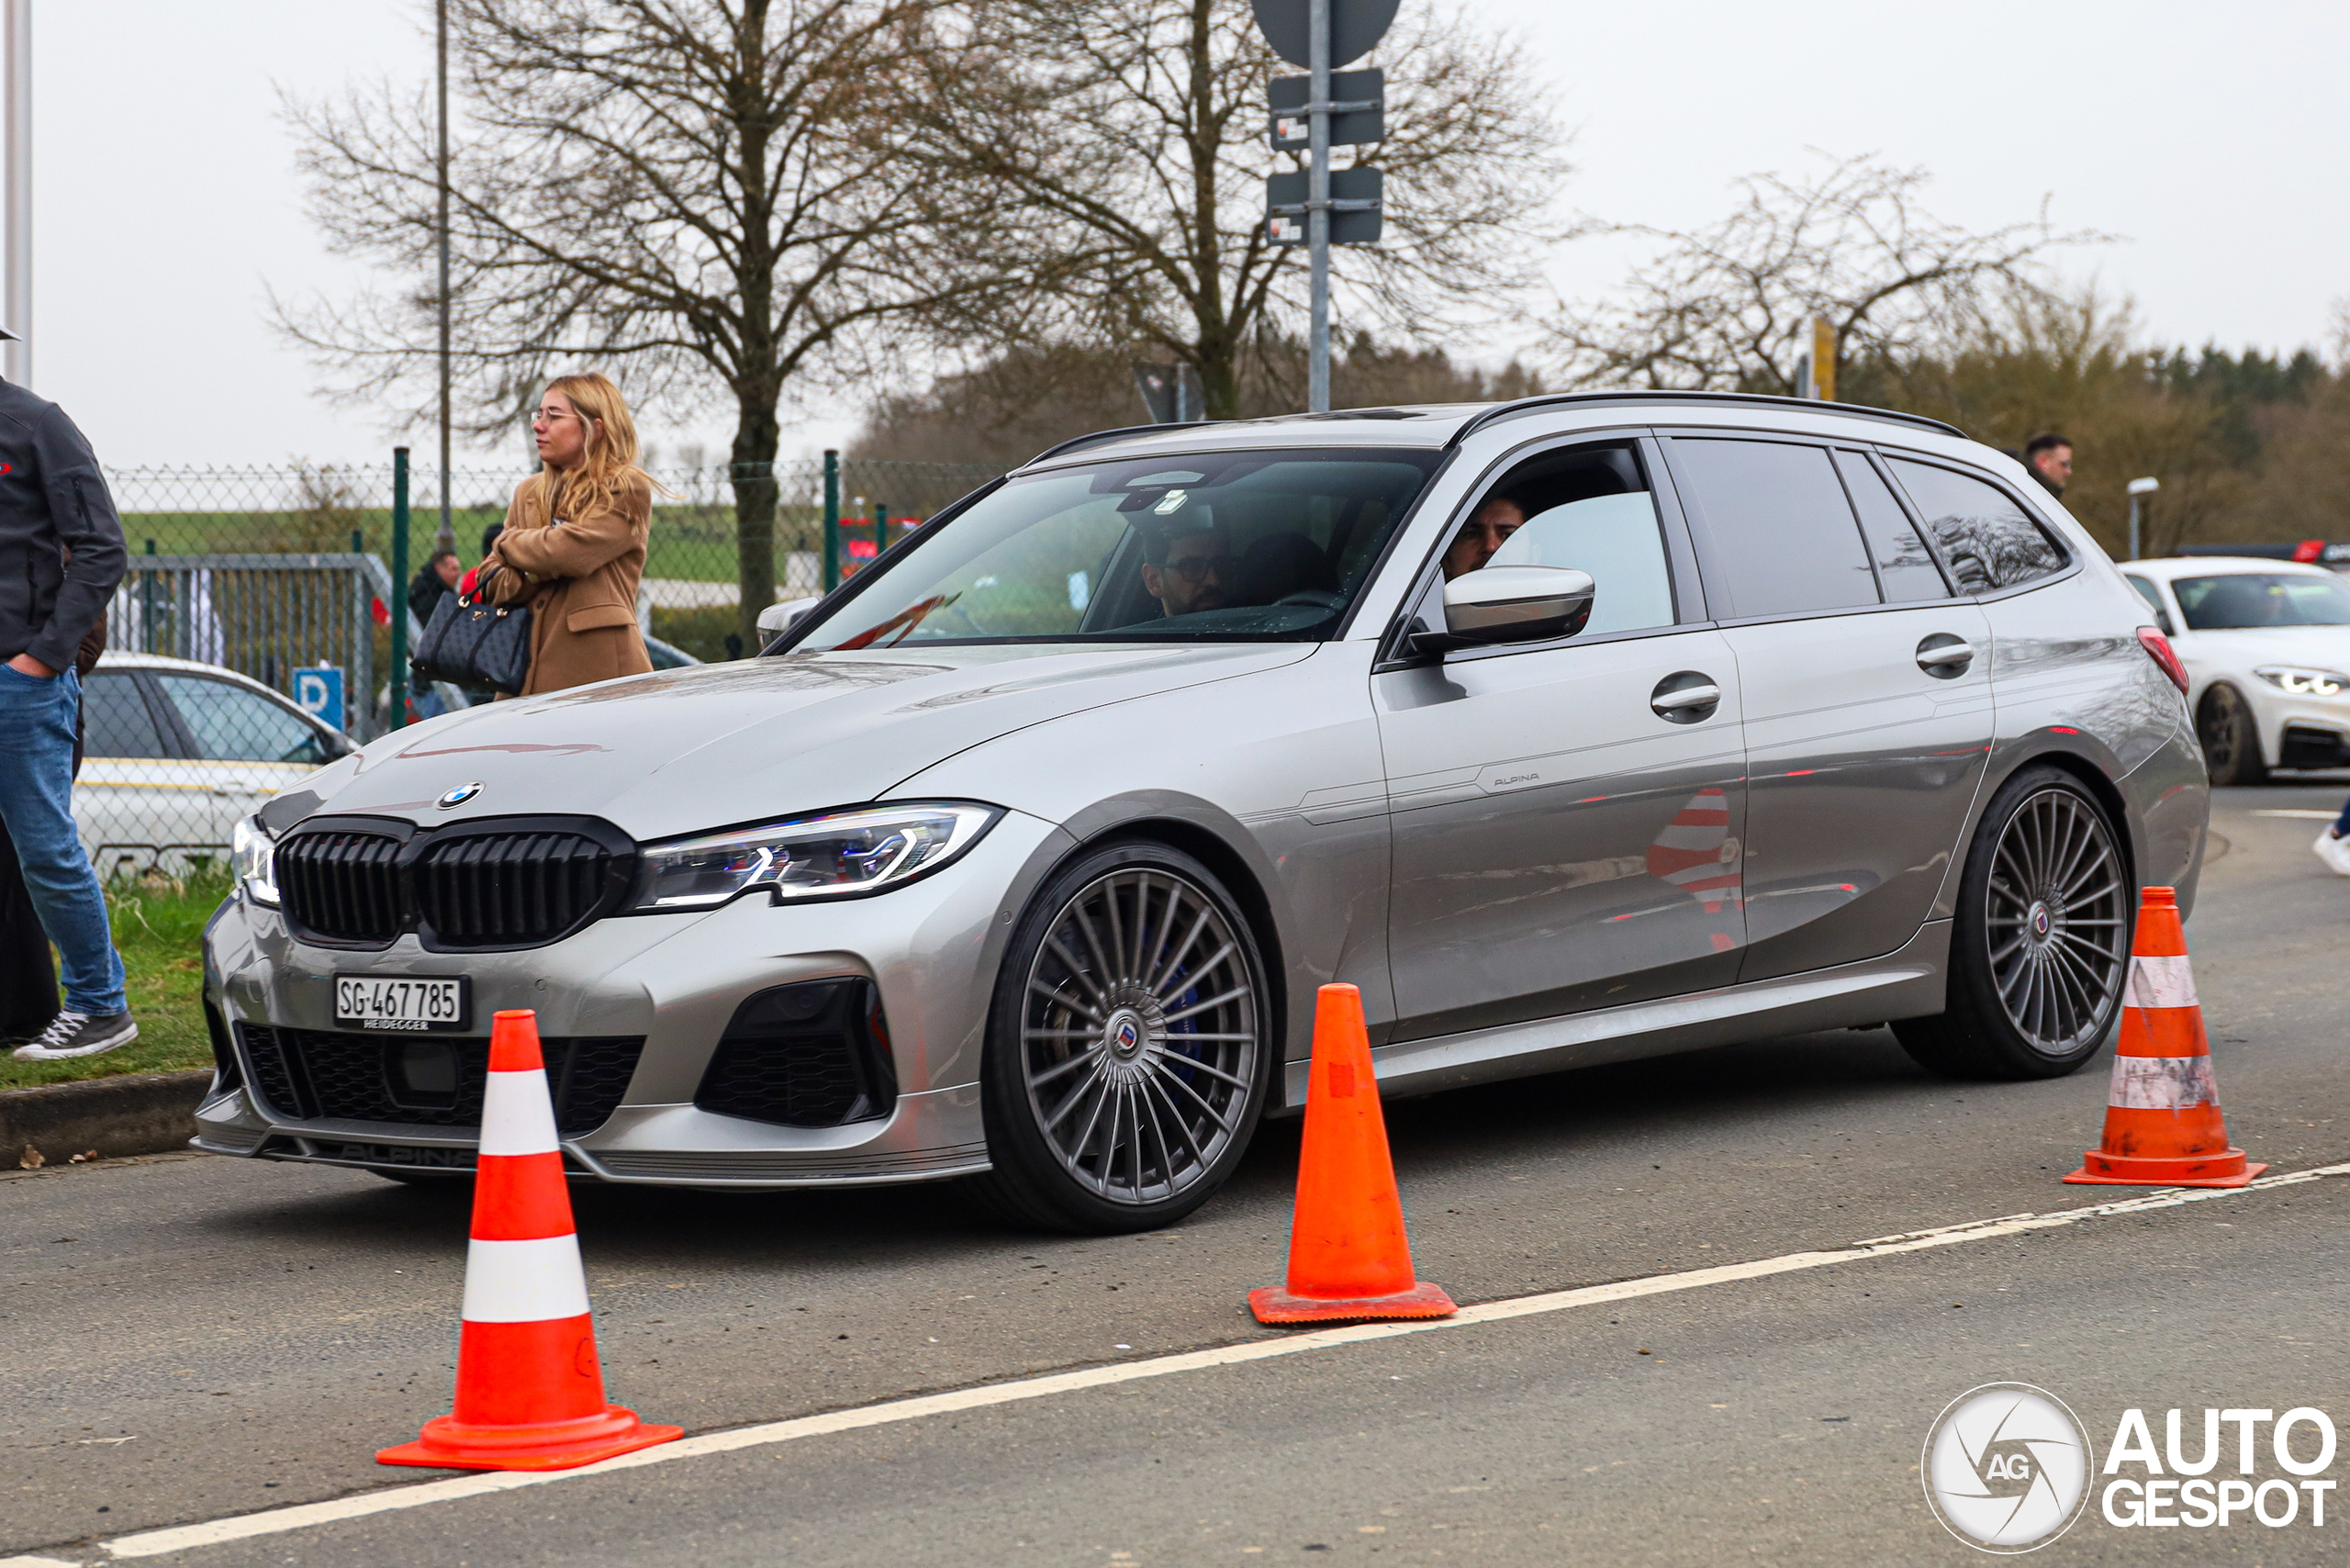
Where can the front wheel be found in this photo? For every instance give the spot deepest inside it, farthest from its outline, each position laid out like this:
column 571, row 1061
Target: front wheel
column 2041, row 942
column 1130, row 1046
column 2230, row 738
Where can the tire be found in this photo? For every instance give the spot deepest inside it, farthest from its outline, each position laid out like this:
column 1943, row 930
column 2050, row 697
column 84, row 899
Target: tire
column 2230, row 738
column 1132, row 985
column 2041, row 946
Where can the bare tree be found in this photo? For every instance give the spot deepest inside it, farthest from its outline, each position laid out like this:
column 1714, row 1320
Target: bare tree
column 716, row 192
column 1135, row 133
column 1731, row 306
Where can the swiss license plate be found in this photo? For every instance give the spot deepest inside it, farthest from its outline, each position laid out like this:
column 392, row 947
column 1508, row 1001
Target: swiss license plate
column 402, row 1002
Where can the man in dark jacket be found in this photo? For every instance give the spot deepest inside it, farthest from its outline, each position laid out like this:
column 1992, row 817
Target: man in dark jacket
column 2049, row 456
column 61, row 557
column 433, row 582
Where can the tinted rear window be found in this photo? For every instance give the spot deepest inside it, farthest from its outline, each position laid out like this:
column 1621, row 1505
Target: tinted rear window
column 1784, row 541
column 1984, row 533
column 114, row 721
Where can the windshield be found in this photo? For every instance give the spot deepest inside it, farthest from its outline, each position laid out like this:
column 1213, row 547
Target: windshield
column 2261, row 598
column 1240, row 546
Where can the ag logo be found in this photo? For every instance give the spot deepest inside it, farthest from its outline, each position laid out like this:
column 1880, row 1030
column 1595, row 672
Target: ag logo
column 2006, row 1467
column 459, row 796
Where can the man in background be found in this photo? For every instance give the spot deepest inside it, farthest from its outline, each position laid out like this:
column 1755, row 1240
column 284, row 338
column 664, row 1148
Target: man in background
column 2049, row 456
column 434, row 581
column 60, row 558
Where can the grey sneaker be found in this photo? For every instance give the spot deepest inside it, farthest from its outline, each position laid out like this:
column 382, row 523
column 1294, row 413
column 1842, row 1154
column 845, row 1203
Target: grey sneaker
column 72, row 1033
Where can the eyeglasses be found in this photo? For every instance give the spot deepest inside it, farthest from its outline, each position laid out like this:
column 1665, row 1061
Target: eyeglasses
column 1194, row 568
column 551, row 414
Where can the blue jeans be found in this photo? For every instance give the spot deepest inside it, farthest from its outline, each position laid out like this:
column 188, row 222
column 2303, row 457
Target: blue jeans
column 2342, row 823
column 37, row 804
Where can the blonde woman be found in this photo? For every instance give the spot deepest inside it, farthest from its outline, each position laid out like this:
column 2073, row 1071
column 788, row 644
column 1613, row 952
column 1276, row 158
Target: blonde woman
column 573, row 546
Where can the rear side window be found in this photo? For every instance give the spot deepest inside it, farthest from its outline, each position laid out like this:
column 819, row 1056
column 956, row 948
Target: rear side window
column 1985, row 534
column 1905, row 567
column 114, row 721
column 1782, row 539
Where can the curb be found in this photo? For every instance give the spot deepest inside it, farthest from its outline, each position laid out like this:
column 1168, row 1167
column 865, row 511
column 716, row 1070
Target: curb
column 142, row 1113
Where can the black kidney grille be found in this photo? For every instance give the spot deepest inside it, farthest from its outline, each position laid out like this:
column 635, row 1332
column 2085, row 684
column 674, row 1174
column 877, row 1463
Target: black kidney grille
column 342, row 886
column 500, row 890
column 327, row 1075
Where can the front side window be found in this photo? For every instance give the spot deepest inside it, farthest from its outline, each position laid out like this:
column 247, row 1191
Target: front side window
column 1783, row 539
column 1587, row 507
column 232, row 724
column 2243, row 600
column 1985, row 534
column 1238, row 547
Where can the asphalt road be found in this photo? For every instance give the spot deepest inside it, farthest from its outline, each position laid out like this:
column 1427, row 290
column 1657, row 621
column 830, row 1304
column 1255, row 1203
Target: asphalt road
column 189, row 1339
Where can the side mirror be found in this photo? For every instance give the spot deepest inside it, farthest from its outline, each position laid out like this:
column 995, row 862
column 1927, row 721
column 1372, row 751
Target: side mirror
column 777, row 618
column 1510, row 604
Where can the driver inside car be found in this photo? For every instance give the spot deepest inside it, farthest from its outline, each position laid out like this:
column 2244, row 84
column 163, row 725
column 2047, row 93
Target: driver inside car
column 1189, row 568
column 1482, row 535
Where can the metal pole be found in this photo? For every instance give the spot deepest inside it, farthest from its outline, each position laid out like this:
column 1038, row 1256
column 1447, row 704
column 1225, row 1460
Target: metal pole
column 447, row 538
column 399, row 589
column 18, row 194
column 1317, row 212
column 832, row 519
column 2133, row 528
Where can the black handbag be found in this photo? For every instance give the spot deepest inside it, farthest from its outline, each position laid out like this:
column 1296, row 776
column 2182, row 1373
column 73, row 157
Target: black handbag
column 476, row 645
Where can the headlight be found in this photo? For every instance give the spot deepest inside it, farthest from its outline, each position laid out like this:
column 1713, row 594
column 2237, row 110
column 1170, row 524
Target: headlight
column 2304, row 682
column 252, row 856
column 828, row 856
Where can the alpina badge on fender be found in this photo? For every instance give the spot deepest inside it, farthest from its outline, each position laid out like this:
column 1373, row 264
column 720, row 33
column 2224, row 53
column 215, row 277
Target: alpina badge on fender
column 460, row 795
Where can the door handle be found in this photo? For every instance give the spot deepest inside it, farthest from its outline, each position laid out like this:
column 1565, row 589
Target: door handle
column 1945, row 658
column 1685, row 698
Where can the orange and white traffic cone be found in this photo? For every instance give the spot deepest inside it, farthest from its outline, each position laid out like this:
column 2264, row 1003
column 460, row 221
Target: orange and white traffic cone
column 1349, row 1258
column 530, row 1394
column 2163, row 1126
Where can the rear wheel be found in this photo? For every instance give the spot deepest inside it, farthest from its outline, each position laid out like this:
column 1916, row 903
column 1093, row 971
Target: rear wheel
column 2230, row 738
column 1129, row 1048
column 2041, row 942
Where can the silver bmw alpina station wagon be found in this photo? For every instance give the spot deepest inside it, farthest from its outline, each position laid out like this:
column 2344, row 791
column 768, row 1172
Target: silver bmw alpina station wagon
column 1570, row 729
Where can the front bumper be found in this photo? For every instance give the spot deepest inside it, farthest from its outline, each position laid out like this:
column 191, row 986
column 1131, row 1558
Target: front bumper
column 931, row 948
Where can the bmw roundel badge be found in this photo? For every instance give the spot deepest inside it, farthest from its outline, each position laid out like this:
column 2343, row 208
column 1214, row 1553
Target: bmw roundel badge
column 459, row 796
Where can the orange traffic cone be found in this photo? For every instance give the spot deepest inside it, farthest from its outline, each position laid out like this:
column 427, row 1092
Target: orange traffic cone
column 1349, row 1258
column 2163, row 1126
column 530, row 1395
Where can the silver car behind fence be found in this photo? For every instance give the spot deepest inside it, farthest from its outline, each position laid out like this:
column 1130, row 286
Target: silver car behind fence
column 1019, row 857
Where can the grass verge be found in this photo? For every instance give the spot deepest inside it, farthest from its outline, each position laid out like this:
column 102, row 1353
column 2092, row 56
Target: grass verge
column 158, row 924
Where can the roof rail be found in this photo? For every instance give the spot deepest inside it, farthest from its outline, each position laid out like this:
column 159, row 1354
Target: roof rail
column 1504, row 410
column 1075, row 442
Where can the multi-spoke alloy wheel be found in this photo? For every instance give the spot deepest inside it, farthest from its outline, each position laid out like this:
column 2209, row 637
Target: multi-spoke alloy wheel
column 2058, row 917
column 1128, row 1070
column 2041, row 942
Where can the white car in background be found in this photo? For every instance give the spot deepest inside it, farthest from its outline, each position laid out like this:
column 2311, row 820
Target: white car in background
column 2266, row 646
column 176, row 754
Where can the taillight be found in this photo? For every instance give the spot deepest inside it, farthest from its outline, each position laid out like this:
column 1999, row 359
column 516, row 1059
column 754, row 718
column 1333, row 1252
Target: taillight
column 2158, row 649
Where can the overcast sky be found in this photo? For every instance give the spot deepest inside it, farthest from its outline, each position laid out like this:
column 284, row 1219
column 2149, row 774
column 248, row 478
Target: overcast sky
column 2212, row 138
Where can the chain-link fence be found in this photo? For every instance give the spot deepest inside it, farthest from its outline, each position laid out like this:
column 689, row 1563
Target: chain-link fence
column 250, row 640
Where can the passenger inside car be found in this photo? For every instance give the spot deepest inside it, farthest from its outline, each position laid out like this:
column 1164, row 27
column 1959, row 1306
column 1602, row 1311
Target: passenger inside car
column 1188, row 568
column 1485, row 532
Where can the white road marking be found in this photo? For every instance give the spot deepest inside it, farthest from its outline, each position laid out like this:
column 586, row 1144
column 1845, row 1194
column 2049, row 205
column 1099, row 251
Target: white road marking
column 274, row 1521
column 2311, row 816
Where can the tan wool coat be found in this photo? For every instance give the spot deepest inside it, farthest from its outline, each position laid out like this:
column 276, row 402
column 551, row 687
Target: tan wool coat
column 579, row 576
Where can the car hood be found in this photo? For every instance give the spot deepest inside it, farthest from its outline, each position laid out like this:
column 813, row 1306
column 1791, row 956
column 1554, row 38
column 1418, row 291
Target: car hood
column 2239, row 649
column 681, row 751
